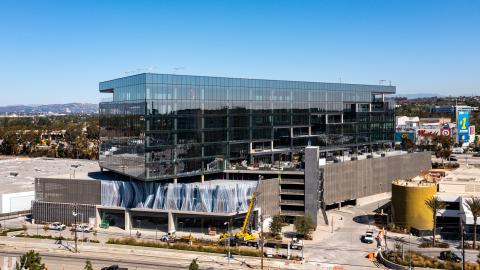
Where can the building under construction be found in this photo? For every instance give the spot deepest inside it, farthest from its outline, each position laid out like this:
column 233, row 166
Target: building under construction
column 181, row 151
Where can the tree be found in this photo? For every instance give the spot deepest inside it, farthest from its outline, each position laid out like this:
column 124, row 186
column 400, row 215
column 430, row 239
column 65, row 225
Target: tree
column 304, row 226
column 93, row 132
column 31, row 261
column 88, row 265
column 276, row 225
column 45, row 228
column 443, row 147
column 193, row 265
column 473, row 205
column 435, row 204
column 407, row 144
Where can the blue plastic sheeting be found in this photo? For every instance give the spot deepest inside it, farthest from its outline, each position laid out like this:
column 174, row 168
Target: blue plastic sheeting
column 220, row 196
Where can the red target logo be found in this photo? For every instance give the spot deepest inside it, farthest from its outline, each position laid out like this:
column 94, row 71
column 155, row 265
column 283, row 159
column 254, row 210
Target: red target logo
column 446, row 132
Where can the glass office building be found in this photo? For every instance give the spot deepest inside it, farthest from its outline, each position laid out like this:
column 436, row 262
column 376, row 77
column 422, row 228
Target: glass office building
column 160, row 126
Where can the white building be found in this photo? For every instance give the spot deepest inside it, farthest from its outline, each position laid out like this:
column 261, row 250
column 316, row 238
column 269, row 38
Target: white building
column 456, row 188
column 408, row 122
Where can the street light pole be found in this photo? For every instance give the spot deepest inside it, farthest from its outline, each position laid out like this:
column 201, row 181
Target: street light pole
column 261, row 241
column 462, row 243
column 74, row 213
column 229, row 235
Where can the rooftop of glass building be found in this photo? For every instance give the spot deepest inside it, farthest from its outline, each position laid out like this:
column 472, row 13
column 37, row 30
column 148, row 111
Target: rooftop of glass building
column 151, row 78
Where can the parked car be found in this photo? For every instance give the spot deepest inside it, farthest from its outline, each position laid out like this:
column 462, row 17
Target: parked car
column 57, row 226
column 476, row 154
column 457, row 150
column 114, row 267
column 83, row 228
column 368, row 237
column 449, row 255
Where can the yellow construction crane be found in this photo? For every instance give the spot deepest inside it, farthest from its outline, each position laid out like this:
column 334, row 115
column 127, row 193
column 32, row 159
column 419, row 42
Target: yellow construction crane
column 244, row 234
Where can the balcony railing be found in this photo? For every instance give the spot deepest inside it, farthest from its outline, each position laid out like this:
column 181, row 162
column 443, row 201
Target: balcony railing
column 292, row 181
column 292, row 202
column 292, row 191
column 292, row 213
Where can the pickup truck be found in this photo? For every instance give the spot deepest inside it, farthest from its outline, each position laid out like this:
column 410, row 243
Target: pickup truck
column 368, row 237
column 296, row 244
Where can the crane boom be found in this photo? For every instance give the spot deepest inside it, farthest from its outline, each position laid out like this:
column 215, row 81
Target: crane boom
column 247, row 217
column 243, row 234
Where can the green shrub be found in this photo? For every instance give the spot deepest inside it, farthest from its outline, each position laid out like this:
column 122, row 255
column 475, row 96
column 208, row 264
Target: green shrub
column 304, row 226
column 276, row 225
column 5, row 232
column 437, row 244
column 419, row 260
column 193, row 265
column 201, row 248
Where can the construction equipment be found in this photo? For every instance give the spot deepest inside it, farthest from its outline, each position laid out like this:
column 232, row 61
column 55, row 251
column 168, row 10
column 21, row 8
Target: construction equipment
column 244, row 236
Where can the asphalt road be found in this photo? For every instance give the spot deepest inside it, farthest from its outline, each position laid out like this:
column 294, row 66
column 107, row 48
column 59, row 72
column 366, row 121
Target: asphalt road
column 344, row 247
column 60, row 262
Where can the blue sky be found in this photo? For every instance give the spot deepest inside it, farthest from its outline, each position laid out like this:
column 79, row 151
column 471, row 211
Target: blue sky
column 58, row 51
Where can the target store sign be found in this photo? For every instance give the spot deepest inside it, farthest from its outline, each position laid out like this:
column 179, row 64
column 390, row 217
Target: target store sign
column 446, row 132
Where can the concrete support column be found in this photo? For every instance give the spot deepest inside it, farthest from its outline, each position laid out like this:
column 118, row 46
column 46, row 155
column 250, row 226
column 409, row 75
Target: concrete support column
column 339, row 205
column 172, row 222
column 98, row 218
column 128, row 220
column 312, row 179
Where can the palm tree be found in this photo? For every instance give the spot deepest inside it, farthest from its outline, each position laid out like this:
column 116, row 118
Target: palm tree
column 473, row 205
column 435, row 204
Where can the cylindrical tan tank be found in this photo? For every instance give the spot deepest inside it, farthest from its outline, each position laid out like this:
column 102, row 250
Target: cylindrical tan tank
column 408, row 204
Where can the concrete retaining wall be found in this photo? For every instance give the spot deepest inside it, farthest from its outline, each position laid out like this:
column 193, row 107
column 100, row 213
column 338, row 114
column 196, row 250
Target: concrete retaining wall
column 389, row 264
column 394, row 266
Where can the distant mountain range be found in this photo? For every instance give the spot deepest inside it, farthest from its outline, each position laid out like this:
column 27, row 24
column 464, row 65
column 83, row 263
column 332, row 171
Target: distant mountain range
column 419, row 95
column 68, row 108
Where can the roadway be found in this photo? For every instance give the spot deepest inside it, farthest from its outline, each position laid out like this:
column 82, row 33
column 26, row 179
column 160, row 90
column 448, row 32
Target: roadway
column 58, row 256
column 343, row 247
column 62, row 262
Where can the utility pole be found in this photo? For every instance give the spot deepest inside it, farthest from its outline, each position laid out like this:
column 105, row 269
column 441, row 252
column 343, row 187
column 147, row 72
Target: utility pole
column 463, row 243
column 229, row 236
column 229, row 239
column 75, row 225
column 332, row 223
column 261, row 241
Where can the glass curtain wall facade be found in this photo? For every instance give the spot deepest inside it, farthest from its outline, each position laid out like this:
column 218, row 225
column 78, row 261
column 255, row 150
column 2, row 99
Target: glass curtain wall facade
column 161, row 126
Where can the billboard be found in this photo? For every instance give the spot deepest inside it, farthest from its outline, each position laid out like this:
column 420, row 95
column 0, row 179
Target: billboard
column 399, row 136
column 472, row 134
column 463, row 121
